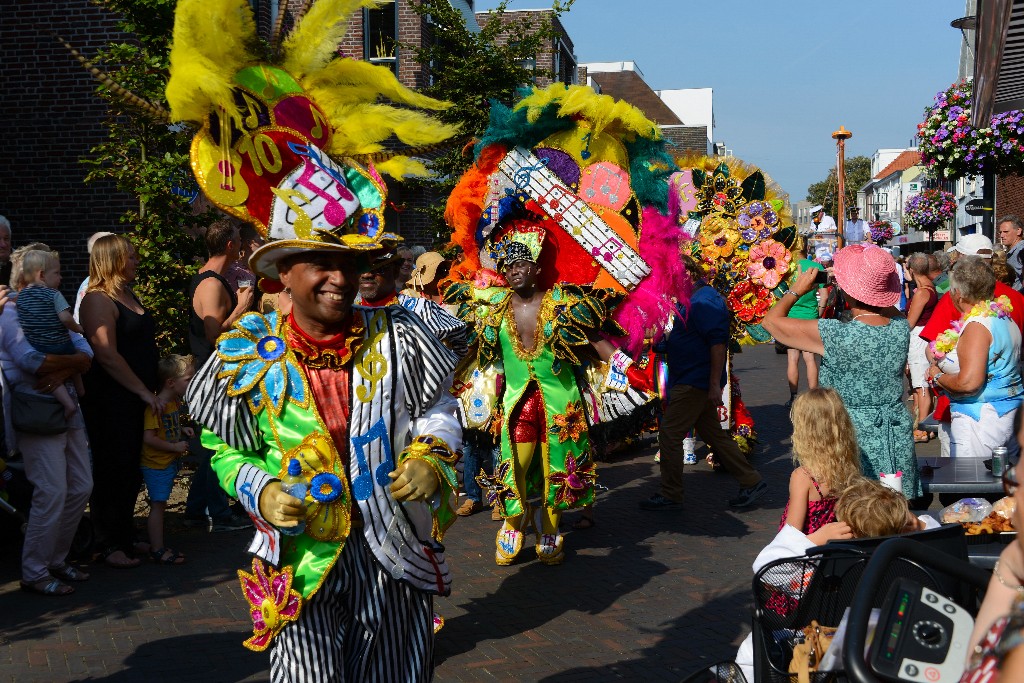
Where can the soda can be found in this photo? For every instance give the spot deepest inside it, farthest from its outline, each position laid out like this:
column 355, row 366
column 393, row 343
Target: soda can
column 998, row 461
column 689, row 456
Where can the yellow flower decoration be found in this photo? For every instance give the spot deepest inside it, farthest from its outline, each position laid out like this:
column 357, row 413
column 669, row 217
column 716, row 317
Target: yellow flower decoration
column 718, row 238
column 571, row 424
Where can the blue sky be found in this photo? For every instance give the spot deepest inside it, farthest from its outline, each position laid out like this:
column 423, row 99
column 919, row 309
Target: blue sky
column 785, row 74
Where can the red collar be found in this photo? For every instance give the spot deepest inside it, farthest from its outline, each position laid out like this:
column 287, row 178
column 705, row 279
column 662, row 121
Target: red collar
column 331, row 353
column 383, row 301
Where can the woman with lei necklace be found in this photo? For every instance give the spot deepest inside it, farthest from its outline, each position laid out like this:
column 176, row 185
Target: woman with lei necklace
column 978, row 363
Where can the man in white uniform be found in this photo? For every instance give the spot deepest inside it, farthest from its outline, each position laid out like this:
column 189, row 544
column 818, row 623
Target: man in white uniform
column 857, row 230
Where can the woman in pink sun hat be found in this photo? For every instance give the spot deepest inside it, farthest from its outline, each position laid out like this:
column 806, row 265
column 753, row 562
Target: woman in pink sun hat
column 863, row 359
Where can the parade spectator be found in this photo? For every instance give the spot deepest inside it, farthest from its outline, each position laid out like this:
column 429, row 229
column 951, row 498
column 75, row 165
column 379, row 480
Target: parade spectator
column 922, row 305
column 864, row 359
column 1011, row 235
column 82, row 288
column 808, row 307
column 946, row 313
column 827, row 458
column 430, row 269
column 5, row 251
column 215, row 307
column 57, row 465
column 479, row 453
column 119, row 387
column 857, row 230
column 823, row 223
column 162, row 447
column 696, row 349
column 938, row 264
column 865, row 509
column 983, row 382
column 45, row 318
column 405, row 269
column 238, row 273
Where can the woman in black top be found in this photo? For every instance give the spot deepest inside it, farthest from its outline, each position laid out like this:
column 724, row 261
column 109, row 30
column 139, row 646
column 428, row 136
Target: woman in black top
column 119, row 387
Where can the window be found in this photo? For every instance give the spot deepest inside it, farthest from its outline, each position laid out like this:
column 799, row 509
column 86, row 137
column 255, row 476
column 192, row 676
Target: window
column 381, row 35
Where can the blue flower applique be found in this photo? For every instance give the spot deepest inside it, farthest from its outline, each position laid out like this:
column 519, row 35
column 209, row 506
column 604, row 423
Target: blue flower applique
column 257, row 364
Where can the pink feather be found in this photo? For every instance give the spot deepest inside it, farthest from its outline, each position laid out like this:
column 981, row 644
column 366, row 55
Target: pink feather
column 649, row 307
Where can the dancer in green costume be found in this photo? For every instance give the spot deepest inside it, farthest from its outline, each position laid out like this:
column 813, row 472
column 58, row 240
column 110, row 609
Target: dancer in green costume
column 535, row 335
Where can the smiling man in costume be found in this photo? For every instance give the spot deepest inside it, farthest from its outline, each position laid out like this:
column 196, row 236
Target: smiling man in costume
column 358, row 396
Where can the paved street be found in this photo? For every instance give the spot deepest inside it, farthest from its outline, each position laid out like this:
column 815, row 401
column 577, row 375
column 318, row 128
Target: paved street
column 641, row 595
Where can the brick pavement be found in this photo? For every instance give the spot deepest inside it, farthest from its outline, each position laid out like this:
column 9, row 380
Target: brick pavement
column 642, row 595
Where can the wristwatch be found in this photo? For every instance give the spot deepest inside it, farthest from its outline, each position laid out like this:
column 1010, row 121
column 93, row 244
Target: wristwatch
column 935, row 379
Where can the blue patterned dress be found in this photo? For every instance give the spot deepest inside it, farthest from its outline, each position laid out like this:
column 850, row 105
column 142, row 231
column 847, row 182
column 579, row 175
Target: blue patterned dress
column 865, row 365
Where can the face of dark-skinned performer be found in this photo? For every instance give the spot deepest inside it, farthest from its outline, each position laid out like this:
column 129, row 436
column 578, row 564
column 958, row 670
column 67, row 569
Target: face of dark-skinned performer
column 377, row 284
column 322, row 286
column 522, row 277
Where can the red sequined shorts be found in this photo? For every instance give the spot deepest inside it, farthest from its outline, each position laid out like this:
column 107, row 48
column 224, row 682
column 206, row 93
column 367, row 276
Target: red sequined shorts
column 528, row 424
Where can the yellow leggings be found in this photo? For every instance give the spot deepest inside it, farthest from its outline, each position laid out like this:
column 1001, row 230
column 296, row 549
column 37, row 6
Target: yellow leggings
column 523, row 454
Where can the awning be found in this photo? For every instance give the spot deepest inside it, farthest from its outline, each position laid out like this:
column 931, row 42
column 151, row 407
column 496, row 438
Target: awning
column 998, row 59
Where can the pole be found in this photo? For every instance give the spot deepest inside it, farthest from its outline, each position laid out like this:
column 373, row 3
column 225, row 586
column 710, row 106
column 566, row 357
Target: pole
column 841, row 136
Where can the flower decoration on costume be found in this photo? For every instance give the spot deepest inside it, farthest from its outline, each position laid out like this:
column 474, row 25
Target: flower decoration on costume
column 498, row 488
column 272, row 602
column 881, row 232
column 952, row 148
column 570, row 424
column 575, row 482
column 328, row 503
column 758, row 220
column 749, row 301
column 718, row 238
column 719, row 193
column 769, row 263
column 256, row 363
column 929, row 209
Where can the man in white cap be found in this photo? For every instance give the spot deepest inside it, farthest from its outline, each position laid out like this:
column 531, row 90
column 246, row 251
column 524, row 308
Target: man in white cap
column 857, row 230
column 823, row 223
column 946, row 313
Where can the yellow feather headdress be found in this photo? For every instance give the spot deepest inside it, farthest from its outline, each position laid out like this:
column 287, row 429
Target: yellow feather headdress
column 281, row 141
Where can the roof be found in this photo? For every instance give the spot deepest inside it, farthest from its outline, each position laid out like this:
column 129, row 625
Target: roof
column 631, row 87
column 901, row 163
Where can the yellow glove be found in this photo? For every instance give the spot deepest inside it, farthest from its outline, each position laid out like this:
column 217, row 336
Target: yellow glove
column 280, row 509
column 414, row 479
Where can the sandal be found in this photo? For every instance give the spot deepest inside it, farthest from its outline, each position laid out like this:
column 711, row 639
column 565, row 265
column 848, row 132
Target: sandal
column 167, row 556
column 921, row 436
column 52, row 587
column 126, row 563
column 583, row 522
column 68, row 572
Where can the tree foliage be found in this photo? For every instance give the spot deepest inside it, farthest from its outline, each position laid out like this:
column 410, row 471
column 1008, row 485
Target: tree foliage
column 149, row 160
column 826, row 192
column 471, row 70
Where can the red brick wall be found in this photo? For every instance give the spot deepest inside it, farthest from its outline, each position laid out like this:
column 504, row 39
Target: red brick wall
column 1009, row 196
column 49, row 119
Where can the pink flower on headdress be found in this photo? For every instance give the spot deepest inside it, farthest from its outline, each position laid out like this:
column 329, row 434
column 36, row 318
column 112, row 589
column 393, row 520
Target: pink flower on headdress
column 272, row 601
column 769, row 263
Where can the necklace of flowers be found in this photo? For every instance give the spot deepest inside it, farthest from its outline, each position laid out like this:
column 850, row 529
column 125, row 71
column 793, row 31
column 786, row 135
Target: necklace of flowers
column 946, row 341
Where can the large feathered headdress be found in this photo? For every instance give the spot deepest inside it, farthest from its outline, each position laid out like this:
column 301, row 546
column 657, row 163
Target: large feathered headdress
column 280, row 139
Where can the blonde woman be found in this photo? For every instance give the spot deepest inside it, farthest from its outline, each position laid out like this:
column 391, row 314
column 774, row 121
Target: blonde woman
column 119, row 387
column 827, row 457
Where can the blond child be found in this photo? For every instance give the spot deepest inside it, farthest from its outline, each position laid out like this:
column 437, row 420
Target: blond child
column 45, row 317
column 827, row 457
column 162, row 446
column 865, row 509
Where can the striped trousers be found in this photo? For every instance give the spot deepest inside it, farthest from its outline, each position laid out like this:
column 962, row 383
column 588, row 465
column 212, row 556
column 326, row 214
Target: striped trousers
column 361, row 625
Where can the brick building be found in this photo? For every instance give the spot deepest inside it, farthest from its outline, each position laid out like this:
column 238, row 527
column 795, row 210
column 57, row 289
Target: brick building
column 559, row 59
column 50, row 118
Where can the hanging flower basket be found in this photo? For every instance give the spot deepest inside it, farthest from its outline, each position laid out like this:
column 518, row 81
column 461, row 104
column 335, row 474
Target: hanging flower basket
column 881, row 232
column 929, row 209
column 952, row 148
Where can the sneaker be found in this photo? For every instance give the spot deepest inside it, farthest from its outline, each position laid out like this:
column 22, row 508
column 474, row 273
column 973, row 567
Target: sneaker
column 550, row 549
column 660, row 502
column 470, row 507
column 232, row 523
column 748, row 497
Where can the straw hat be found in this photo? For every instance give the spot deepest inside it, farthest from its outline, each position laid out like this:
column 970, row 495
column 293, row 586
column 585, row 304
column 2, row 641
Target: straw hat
column 868, row 274
column 425, row 271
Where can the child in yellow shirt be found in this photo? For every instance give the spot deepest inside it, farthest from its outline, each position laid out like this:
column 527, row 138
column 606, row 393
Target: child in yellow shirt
column 162, row 445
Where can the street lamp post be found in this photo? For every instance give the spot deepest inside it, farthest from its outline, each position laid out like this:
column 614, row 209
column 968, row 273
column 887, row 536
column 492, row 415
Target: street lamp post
column 841, row 136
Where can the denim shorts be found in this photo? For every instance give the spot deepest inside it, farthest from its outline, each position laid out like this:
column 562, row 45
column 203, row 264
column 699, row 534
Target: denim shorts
column 159, row 482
